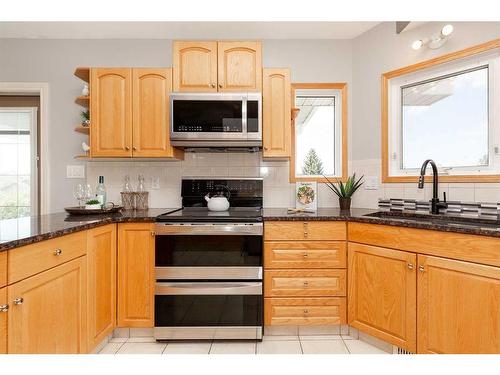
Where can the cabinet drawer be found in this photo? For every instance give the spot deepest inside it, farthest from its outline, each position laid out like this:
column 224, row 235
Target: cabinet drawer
column 3, row 268
column 304, row 311
column 304, row 230
column 315, row 283
column 309, row 254
column 28, row 260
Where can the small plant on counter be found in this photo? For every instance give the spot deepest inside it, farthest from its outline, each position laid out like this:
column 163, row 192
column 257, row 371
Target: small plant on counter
column 346, row 190
column 92, row 201
column 92, row 204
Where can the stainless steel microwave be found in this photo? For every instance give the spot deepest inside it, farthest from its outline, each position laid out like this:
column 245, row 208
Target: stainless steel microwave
column 216, row 119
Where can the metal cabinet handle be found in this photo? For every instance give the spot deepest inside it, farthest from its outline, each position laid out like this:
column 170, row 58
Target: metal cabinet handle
column 220, row 85
column 4, row 308
column 127, row 148
column 134, row 148
column 305, row 255
column 306, row 311
column 306, row 284
column 421, row 268
column 265, row 149
column 18, row 301
column 57, row 252
column 153, row 233
column 410, row 266
column 213, row 85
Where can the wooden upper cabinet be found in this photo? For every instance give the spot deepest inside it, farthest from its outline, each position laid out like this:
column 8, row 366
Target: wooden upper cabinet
column 276, row 102
column 4, row 309
column 195, row 66
column 101, row 262
column 239, row 66
column 382, row 294
column 111, row 112
column 136, row 277
column 151, row 113
column 458, row 307
column 48, row 312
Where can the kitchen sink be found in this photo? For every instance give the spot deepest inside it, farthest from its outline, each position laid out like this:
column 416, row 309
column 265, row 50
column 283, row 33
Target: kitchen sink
column 448, row 220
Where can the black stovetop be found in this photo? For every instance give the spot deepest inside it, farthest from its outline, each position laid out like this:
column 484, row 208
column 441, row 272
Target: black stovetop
column 203, row 215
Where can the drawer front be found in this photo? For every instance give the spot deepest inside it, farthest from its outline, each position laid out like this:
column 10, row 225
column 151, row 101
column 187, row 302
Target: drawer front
column 315, row 283
column 28, row 260
column 3, row 268
column 305, row 230
column 304, row 311
column 310, row 254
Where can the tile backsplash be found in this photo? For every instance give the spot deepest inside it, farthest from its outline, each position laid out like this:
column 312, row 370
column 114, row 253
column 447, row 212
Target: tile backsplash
column 278, row 191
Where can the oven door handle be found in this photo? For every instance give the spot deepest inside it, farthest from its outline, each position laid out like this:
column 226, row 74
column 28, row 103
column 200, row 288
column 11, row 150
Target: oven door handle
column 208, row 288
column 193, row 229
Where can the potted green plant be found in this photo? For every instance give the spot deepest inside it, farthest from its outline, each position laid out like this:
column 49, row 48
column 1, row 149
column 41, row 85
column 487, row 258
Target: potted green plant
column 345, row 190
column 92, row 204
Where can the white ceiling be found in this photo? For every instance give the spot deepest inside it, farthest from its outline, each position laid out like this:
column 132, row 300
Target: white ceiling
column 184, row 30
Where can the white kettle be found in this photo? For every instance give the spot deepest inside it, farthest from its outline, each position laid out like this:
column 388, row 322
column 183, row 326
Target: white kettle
column 218, row 202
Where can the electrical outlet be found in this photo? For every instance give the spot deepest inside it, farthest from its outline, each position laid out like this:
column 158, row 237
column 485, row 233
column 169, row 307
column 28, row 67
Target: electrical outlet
column 155, row 183
column 75, row 171
column 371, row 183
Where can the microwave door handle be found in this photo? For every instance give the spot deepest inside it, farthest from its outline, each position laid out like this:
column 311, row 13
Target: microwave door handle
column 244, row 120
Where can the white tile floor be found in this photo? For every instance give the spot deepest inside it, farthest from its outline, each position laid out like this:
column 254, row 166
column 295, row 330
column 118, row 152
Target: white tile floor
column 320, row 344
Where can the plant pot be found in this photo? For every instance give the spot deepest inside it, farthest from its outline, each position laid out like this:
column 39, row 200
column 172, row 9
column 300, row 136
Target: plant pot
column 345, row 204
column 96, row 206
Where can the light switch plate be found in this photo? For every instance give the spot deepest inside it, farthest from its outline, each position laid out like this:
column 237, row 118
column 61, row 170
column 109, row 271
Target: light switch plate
column 75, row 171
column 371, row 183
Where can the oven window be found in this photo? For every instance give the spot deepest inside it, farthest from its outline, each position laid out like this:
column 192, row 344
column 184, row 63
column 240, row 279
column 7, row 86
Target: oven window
column 209, row 116
column 252, row 116
column 208, row 310
column 206, row 251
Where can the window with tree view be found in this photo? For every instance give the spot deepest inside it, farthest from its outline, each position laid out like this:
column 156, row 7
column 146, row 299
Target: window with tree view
column 318, row 133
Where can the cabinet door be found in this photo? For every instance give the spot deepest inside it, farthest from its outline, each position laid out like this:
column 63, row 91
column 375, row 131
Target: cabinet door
column 151, row 113
column 136, row 278
column 111, row 112
column 276, row 102
column 195, row 66
column 458, row 307
column 48, row 311
column 239, row 66
column 382, row 294
column 4, row 309
column 101, row 259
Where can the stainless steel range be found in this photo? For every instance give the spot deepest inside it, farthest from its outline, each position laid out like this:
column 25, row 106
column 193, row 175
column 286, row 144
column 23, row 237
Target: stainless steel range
column 209, row 264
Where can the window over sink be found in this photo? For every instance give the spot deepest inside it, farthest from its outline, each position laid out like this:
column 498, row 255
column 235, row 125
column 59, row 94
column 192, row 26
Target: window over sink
column 443, row 109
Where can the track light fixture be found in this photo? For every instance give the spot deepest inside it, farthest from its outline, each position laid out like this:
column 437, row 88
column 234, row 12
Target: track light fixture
column 435, row 41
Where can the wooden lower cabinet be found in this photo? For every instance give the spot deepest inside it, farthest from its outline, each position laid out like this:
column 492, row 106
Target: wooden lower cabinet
column 458, row 307
column 3, row 268
column 4, row 308
column 48, row 312
column 382, row 293
column 305, row 254
column 136, row 274
column 101, row 262
column 304, row 283
column 304, row 311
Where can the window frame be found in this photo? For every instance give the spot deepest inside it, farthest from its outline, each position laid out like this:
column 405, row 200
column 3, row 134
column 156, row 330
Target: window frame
column 462, row 60
column 342, row 111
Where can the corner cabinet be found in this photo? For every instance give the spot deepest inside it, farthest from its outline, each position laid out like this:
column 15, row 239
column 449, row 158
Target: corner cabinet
column 101, row 259
column 136, row 274
column 382, row 294
column 458, row 307
column 130, row 113
column 210, row 66
column 48, row 312
column 111, row 112
column 277, row 118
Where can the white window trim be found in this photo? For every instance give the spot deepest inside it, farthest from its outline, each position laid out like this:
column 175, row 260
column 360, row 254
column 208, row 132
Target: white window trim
column 337, row 95
column 41, row 89
column 492, row 60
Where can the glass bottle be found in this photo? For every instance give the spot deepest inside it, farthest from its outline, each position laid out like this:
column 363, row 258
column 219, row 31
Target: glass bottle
column 100, row 191
column 140, row 186
column 127, row 187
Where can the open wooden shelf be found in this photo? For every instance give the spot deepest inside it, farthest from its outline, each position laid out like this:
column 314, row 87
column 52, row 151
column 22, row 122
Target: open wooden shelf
column 82, row 129
column 83, row 73
column 82, row 100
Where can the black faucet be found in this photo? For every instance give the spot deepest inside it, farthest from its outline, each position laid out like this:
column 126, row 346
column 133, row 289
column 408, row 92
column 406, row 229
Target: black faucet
column 435, row 204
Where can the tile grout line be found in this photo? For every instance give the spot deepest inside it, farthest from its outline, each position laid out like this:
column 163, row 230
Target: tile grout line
column 347, row 348
column 210, row 349
column 300, row 344
column 165, row 348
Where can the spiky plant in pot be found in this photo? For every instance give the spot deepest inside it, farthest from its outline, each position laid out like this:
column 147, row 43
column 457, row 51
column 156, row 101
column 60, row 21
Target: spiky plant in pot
column 345, row 190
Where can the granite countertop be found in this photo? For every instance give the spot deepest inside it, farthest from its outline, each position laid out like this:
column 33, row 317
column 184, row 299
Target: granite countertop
column 26, row 230
column 442, row 222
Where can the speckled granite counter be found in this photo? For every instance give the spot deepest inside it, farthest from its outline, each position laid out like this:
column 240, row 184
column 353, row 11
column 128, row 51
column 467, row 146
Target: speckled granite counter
column 27, row 230
column 443, row 223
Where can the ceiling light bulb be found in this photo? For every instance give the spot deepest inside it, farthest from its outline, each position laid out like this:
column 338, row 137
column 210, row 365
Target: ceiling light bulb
column 417, row 44
column 446, row 30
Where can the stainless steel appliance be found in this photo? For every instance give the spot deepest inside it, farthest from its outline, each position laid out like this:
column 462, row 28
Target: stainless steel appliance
column 209, row 265
column 216, row 119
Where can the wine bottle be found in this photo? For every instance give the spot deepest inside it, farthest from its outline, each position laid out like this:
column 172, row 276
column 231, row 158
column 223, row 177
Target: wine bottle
column 100, row 191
